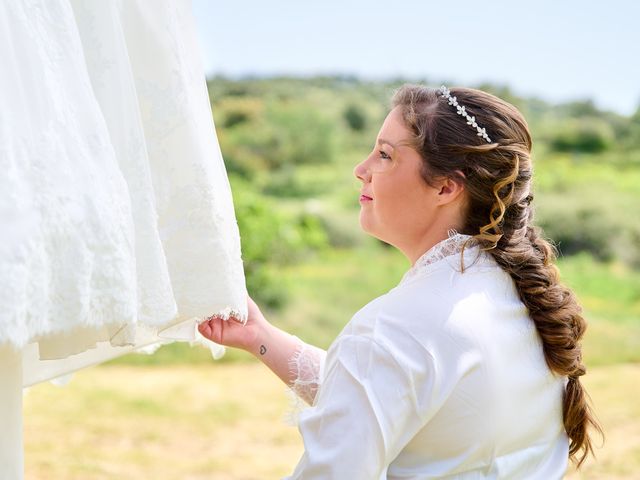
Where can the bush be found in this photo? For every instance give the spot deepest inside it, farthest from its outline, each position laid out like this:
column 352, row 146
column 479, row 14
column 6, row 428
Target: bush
column 586, row 135
column 581, row 229
column 271, row 238
column 300, row 135
column 579, row 222
column 343, row 229
column 355, row 118
column 259, row 137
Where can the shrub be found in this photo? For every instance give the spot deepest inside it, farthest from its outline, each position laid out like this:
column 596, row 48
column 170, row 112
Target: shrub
column 584, row 135
column 579, row 222
column 271, row 238
column 355, row 118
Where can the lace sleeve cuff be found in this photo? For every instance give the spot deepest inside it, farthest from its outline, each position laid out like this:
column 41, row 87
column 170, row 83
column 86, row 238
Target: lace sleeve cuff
column 305, row 369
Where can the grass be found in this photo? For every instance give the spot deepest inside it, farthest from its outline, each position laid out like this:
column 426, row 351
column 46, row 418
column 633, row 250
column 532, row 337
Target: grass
column 189, row 422
column 610, row 290
column 603, row 175
column 613, row 390
column 610, row 295
column 224, row 421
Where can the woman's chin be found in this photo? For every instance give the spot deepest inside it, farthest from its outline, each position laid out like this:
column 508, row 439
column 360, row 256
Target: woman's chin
column 365, row 224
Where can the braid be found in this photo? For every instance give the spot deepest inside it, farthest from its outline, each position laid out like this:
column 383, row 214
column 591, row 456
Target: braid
column 529, row 259
column 497, row 180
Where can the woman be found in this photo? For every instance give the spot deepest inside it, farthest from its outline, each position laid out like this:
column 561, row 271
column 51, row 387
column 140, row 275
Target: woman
column 470, row 367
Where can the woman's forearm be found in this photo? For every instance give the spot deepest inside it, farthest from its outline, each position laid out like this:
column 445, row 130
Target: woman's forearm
column 295, row 362
column 275, row 348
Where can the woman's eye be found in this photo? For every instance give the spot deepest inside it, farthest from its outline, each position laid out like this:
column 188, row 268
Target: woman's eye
column 383, row 154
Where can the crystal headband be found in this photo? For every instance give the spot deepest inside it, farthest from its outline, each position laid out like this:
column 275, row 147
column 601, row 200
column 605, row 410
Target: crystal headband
column 461, row 111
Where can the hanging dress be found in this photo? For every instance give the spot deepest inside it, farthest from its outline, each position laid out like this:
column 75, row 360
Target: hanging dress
column 118, row 226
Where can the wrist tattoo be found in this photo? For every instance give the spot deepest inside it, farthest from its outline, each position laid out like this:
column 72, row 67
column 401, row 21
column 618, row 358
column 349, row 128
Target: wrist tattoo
column 263, row 349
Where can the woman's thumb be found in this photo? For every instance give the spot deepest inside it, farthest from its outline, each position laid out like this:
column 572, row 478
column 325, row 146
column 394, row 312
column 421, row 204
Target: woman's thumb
column 206, row 329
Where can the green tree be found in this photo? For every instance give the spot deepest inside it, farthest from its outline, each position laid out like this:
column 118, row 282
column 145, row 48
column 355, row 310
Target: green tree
column 355, row 117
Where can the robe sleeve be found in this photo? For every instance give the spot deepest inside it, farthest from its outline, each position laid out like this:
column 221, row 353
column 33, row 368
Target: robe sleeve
column 365, row 412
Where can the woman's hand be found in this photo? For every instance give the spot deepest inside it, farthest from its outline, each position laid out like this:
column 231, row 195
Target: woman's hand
column 233, row 333
column 272, row 346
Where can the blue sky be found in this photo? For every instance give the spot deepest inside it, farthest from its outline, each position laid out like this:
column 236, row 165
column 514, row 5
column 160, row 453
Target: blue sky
column 557, row 50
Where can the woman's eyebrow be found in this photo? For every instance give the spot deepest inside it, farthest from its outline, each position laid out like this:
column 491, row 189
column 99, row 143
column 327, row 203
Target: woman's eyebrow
column 382, row 140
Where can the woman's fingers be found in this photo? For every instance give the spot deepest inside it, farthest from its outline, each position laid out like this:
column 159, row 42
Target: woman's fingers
column 216, row 329
column 212, row 329
column 206, row 329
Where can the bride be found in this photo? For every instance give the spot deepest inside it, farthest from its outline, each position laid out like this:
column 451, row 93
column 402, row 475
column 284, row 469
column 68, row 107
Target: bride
column 470, row 367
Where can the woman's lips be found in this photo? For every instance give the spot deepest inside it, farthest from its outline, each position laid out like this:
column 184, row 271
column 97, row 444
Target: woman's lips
column 364, row 198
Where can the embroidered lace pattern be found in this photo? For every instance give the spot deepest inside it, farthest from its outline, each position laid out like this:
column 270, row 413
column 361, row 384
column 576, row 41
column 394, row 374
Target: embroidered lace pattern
column 305, row 368
column 120, row 227
column 452, row 245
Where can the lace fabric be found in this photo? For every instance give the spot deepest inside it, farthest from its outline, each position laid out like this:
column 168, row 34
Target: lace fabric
column 452, row 245
column 305, row 369
column 118, row 213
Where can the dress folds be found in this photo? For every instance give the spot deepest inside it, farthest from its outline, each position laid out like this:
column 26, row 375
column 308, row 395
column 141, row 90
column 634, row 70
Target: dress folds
column 118, row 226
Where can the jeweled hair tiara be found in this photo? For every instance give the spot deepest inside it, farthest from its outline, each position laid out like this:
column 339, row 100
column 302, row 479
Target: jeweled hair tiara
column 461, row 111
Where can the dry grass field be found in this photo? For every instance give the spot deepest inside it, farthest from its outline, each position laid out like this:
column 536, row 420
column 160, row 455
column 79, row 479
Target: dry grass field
column 223, row 421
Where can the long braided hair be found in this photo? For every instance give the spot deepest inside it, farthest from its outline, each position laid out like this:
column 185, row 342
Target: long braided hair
column 497, row 178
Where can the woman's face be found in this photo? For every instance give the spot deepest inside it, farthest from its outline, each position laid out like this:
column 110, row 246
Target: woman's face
column 403, row 209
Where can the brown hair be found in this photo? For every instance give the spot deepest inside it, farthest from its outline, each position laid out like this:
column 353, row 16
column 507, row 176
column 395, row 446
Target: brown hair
column 497, row 179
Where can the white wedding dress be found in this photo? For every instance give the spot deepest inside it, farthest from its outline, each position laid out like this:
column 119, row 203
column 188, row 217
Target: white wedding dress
column 118, row 231
column 118, row 227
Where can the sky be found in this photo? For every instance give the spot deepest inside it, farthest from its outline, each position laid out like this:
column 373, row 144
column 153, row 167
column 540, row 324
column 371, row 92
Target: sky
column 558, row 50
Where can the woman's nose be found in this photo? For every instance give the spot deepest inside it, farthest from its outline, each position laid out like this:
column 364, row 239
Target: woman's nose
column 360, row 170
